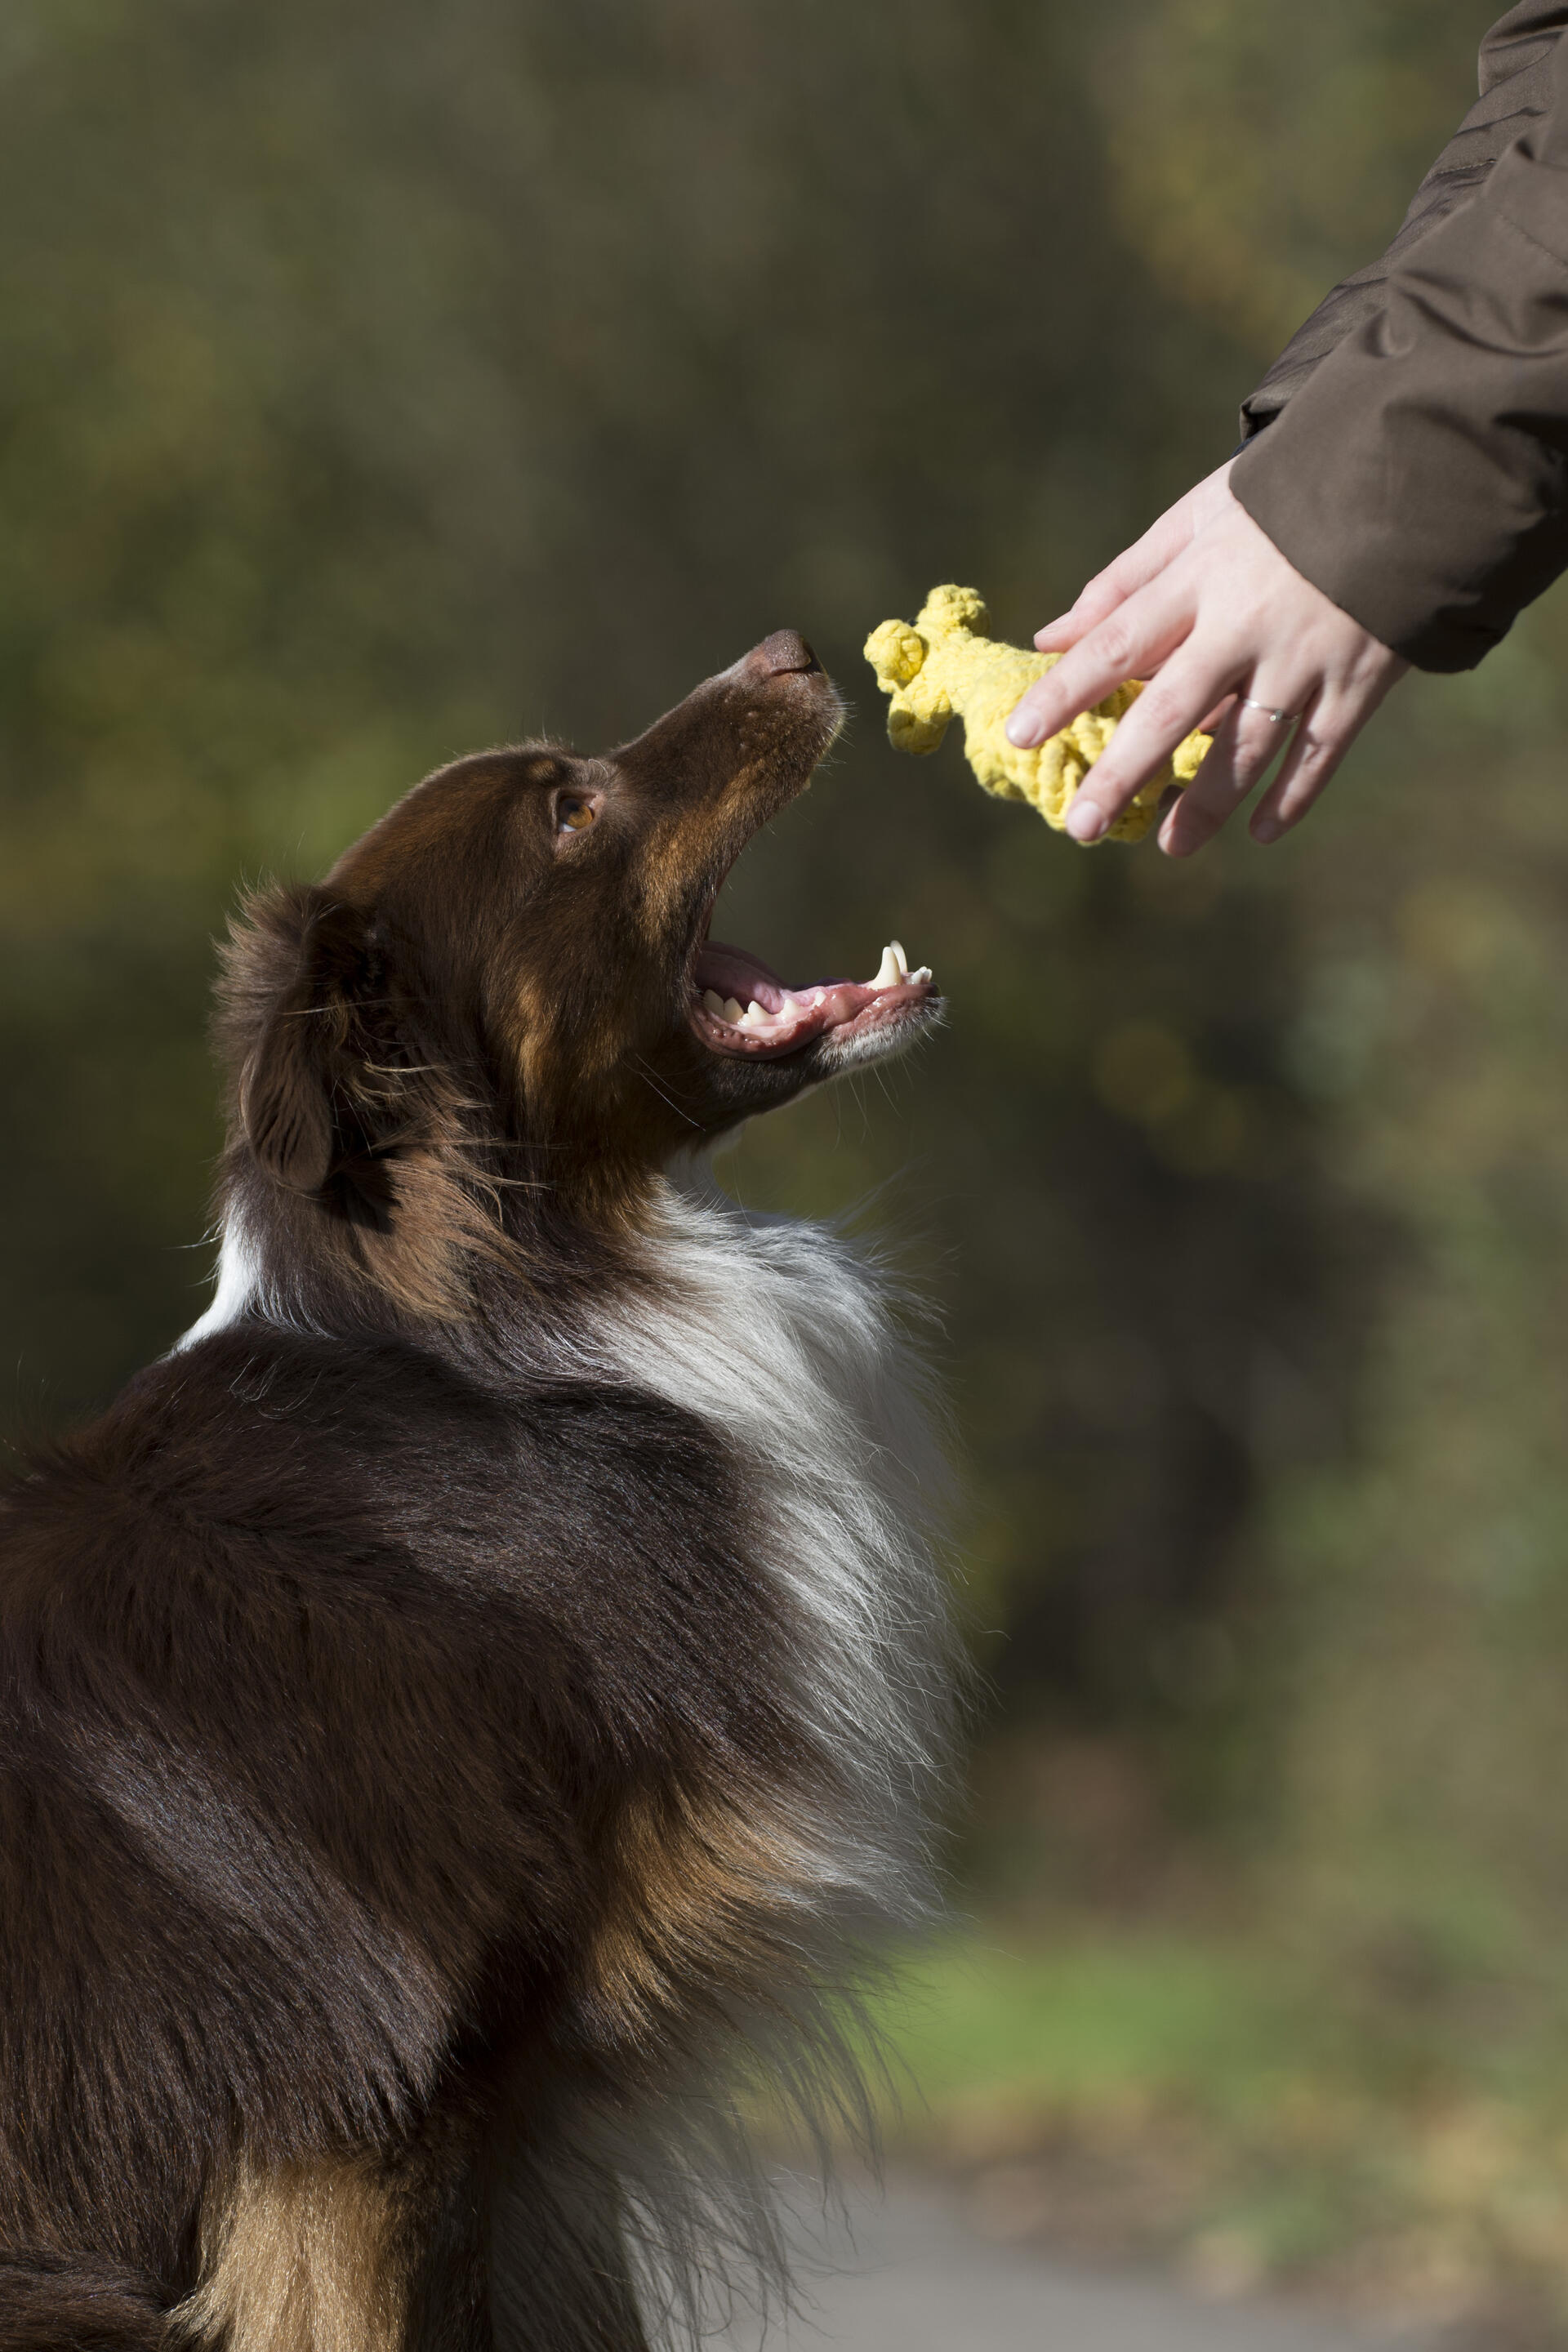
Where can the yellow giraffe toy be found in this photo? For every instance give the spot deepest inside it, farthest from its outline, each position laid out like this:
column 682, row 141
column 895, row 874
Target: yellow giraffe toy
column 946, row 667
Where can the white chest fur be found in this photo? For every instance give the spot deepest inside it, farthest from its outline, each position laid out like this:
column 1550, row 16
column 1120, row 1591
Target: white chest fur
column 779, row 1335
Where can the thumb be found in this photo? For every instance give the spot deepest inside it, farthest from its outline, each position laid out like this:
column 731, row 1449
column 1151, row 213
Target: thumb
column 1133, row 569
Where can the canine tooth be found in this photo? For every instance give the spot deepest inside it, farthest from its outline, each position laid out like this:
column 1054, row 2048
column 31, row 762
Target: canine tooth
column 714, row 1002
column 731, row 1008
column 890, row 970
column 896, row 949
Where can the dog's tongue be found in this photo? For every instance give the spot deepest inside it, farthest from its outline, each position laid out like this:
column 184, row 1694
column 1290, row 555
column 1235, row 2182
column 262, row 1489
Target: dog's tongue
column 735, row 971
column 744, row 997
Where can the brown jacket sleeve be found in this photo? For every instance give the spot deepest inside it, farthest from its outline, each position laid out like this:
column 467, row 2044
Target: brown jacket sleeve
column 1415, row 461
column 1516, row 86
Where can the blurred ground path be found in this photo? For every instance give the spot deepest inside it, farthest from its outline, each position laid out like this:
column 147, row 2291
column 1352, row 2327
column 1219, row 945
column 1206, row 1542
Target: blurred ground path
column 917, row 2281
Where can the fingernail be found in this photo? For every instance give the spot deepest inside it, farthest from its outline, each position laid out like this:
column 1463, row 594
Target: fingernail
column 1266, row 829
column 1086, row 821
column 1025, row 731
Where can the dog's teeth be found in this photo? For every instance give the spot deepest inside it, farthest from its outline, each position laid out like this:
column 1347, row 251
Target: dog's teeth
column 896, row 949
column 714, row 1002
column 755, row 1011
column 923, row 973
column 890, row 970
column 732, row 1008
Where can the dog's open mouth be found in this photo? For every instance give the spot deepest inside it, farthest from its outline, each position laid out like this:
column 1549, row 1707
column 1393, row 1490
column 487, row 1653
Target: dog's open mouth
column 739, row 1006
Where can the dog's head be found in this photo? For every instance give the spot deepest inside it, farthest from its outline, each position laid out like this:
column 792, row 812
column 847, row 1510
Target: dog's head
column 509, row 981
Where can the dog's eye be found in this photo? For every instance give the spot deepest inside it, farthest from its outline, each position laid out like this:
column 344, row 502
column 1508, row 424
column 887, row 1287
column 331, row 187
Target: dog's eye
column 573, row 814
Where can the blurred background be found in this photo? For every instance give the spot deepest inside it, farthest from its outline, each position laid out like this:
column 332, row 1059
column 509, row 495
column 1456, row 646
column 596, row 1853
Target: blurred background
column 379, row 382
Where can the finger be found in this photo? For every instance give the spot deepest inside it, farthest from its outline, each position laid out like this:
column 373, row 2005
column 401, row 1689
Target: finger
column 1246, row 745
column 1324, row 736
column 1096, row 602
column 1137, row 637
column 1060, row 635
column 1133, row 569
column 1164, row 716
column 1192, row 822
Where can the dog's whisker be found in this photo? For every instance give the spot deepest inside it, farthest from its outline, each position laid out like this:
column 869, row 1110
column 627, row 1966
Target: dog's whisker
column 641, row 1063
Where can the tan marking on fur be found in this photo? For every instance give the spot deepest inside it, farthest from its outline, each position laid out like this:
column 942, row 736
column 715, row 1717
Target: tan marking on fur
column 686, row 844
column 301, row 2259
column 437, row 1229
column 700, row 1893
column 446, row 1219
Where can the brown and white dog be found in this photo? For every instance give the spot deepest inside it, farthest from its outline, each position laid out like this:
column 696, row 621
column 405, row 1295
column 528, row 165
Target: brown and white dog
column 461, row 1711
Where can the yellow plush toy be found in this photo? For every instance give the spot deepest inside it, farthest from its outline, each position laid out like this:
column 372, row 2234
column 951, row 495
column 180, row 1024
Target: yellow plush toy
column 946, row 667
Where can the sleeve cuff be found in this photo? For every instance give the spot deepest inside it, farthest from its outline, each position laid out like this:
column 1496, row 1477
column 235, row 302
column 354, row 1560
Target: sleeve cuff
column 1420, row 476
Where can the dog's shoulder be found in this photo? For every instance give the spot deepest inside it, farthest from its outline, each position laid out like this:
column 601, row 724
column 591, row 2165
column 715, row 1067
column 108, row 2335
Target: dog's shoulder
column 584, row 1536
column 287, row 1432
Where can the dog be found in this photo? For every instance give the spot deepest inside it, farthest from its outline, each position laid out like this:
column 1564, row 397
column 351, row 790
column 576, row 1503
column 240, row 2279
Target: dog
column 465, row 1711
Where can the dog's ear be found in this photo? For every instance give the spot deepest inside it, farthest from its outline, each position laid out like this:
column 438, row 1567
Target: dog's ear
column 317, row 1098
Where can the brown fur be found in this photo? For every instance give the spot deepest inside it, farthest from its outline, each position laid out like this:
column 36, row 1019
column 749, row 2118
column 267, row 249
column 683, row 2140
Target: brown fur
column 408, row 1778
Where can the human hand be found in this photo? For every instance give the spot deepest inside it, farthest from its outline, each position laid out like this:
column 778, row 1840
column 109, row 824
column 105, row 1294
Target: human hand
column 1205, row 606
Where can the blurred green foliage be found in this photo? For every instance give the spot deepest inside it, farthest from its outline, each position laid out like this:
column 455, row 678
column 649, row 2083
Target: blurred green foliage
column 377, row 381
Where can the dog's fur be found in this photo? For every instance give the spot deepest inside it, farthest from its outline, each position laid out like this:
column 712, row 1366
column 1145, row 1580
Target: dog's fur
column 461, row 1710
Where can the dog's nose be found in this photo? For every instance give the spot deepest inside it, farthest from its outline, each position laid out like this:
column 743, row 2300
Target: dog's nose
column 785, row 650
